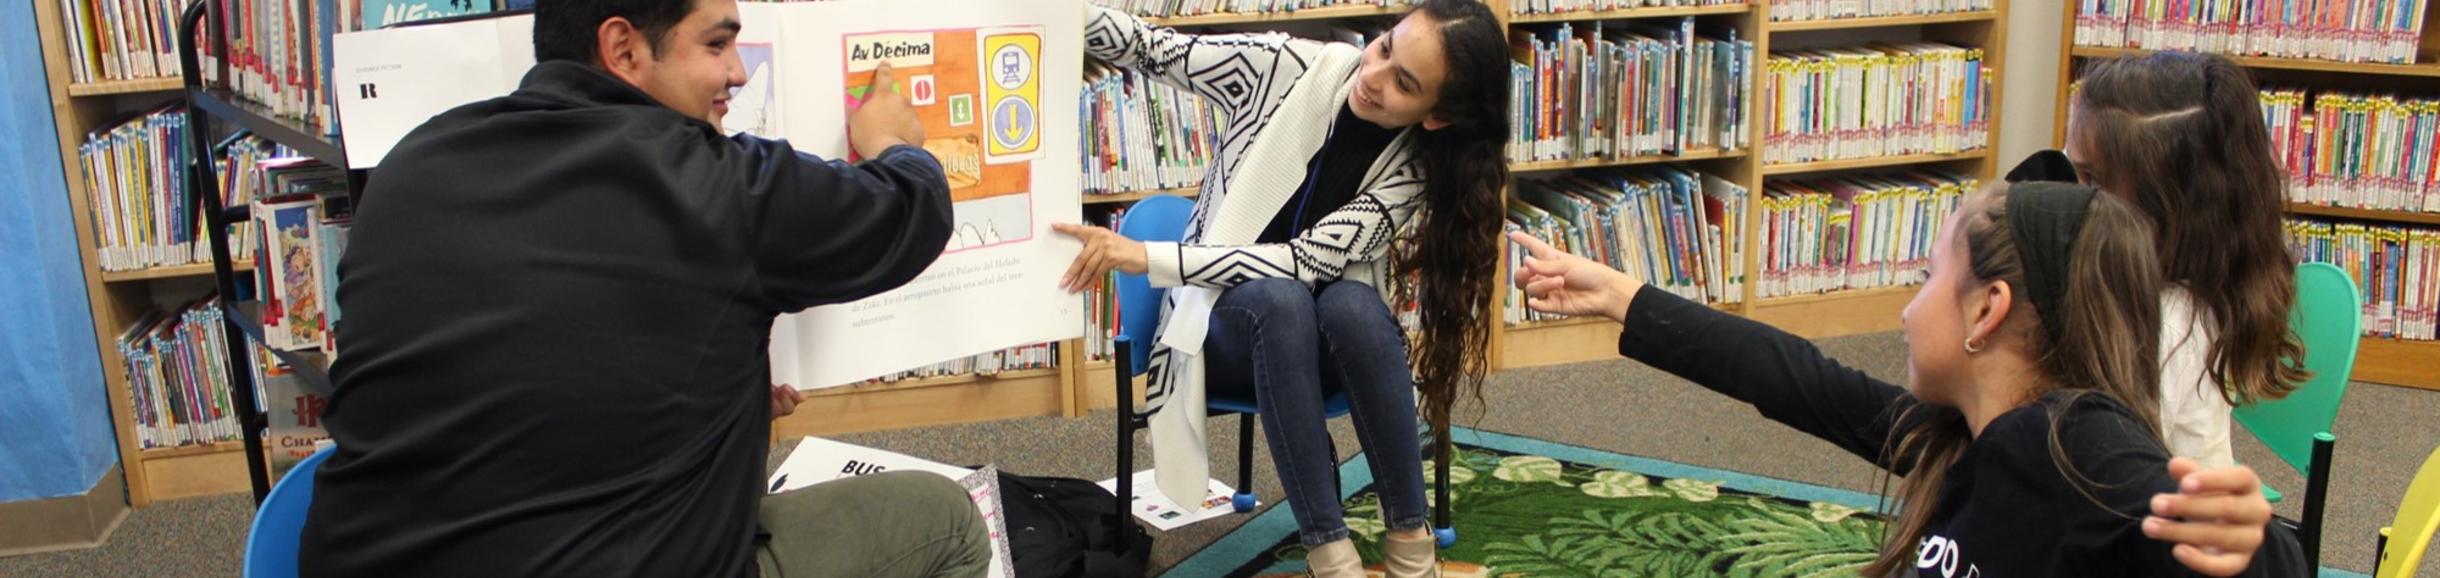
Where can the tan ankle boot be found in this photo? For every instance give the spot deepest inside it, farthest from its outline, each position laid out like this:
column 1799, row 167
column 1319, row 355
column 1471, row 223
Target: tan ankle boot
column 1411, row 558
column 1335, row 560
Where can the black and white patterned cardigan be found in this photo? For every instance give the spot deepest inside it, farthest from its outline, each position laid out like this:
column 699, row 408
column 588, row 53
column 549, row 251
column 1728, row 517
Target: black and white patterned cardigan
column 1281, row 95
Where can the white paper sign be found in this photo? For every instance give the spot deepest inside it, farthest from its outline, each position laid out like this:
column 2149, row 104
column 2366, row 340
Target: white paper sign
column 1154, row 507
column 390, row 81
column 1016, row 66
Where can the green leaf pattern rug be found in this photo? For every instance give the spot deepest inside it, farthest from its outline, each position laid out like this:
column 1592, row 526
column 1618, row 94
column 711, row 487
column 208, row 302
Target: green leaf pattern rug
column 1522, row 512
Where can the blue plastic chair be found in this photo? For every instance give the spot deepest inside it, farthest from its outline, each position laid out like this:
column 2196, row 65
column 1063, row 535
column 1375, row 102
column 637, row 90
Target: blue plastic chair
column 271, row 546
column 1163, row 219
column 2328, row 318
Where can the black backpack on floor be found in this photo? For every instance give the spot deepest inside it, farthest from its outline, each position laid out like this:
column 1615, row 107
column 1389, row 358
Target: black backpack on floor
column 1065, row 528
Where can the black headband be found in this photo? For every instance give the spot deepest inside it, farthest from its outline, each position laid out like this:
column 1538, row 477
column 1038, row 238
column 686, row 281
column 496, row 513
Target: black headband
column 2046, row 217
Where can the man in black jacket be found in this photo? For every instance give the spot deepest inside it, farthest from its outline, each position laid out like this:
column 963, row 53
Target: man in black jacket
column 559, row 304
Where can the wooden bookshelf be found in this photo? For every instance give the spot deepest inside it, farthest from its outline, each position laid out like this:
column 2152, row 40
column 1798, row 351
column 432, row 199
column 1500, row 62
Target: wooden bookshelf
column 1824, row 315
column 218, row 470
column 118, row 299
column 929, row 402
column 2421, row 69
column 1628, row 14
column 2399, row 362
column 174, row 272
column 2377, row 360
column 1094, row 391
column 194, row 450
column 942, row 381
column 1835, row 314
column 1569, row 340
column 1569, row 165
column 2364, row 214
column 1125, row 198
column 126, row 87
column 1884, row 21
column 1874, row 162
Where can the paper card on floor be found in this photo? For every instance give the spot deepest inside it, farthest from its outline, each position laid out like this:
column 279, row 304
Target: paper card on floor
column 818, row 460
column 1150, row 505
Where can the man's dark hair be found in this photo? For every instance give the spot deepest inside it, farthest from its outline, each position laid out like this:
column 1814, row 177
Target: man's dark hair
column 564, row 29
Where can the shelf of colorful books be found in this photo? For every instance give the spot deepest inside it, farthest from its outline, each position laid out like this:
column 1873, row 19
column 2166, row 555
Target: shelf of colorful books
column 1595, row 163
column 194, row 270
column 1883, row 21
column 2398, row 362
column 1628, row 13
column 138, row 86
column 1874, row 162
column 2364, row 214
column 1326, row 13
column 2428, row 69
column 1124, row 198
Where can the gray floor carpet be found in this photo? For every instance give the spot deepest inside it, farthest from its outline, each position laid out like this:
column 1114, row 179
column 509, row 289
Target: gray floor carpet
column 1619, row 406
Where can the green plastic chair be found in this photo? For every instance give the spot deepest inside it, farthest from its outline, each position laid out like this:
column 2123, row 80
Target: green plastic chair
column 2328, row 318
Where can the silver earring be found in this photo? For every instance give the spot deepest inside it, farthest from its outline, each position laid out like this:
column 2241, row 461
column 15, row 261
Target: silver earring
column 1970, row 348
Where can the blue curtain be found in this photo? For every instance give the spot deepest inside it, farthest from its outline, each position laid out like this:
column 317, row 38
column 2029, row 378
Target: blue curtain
column 55, row 433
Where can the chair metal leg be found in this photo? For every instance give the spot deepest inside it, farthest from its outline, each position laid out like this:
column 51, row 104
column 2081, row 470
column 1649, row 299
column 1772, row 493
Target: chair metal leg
column 1338, row 484
column 2316, row 493
column 1123, row 360
column 1445, row 533
column 1244, row 500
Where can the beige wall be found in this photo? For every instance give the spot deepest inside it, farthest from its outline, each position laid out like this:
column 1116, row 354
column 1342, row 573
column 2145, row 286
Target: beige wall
column 2030, row 75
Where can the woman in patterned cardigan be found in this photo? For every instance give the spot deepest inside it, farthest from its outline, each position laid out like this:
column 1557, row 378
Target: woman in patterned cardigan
column 1315, row 215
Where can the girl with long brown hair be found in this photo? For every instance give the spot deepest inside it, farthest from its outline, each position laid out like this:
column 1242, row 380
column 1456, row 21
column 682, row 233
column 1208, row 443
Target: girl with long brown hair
column 1306, row 234
column 2025, row 434
column 2180, row 136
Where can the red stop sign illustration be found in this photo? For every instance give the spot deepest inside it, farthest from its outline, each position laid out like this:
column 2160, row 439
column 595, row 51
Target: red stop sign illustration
column 922, row 92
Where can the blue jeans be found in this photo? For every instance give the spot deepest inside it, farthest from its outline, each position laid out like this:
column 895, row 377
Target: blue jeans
column 1285, row 346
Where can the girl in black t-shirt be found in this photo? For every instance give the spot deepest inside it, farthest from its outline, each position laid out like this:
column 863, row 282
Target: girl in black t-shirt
column 2026, row 432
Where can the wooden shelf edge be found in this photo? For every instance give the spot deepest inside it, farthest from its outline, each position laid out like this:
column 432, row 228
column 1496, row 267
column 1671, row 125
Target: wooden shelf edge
column 1627, row 14
column 1562, row 165
column 1553, row 324
column 1839, row 295
column 172, row 272
column 2417, row 69
column 1325, row 13
column 194, row 450
column 1882, row 21
column 1875, row 162
column 1121, row 198
column 2365, row 214
column 1022, row 374
column 137, row 86
column 2398, row 362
